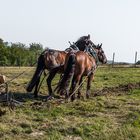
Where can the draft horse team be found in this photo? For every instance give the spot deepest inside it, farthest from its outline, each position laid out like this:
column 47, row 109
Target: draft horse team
column 79, row 60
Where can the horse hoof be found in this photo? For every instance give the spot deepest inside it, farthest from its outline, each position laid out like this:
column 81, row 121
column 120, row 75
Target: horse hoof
column 35, row 96
column 72, row 98
column 87, row 96
column 50, row 97
column 62, row 92
column 66, row 96
column 78, row 97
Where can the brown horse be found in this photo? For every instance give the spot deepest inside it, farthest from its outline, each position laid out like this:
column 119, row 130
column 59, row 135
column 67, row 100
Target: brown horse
column 53, row 61
column 80, row 64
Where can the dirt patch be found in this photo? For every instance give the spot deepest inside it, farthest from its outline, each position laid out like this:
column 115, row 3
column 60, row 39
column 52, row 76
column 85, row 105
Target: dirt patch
column 118, row 90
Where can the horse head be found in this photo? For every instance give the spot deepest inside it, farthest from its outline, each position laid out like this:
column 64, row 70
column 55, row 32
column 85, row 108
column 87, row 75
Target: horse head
column 100, row 53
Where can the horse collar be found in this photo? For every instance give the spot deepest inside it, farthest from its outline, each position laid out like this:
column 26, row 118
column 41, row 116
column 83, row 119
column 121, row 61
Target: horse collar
column 93, row 53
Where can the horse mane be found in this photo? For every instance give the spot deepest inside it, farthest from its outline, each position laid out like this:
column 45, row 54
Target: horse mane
column 82, row 38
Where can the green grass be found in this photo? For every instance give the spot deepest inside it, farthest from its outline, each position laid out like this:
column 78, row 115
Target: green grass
column 107, row 117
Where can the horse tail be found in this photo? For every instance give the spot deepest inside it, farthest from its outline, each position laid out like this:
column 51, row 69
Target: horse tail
column 68, row 73
column 39, row 69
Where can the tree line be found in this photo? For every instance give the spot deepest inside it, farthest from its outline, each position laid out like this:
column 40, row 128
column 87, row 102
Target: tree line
column 18, row 54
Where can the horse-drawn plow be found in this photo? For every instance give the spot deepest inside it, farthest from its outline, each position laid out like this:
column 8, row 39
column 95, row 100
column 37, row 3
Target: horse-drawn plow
column 3, row 87
column 6, row 97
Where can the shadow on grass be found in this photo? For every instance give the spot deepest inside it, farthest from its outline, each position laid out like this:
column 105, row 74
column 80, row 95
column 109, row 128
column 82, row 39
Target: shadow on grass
column 23, row 97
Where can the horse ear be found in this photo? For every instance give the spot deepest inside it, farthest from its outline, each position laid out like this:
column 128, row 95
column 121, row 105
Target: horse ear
column 99, row 46
column 88, row 36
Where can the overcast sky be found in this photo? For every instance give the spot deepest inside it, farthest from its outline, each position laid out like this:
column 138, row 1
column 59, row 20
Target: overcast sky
column 115, row 23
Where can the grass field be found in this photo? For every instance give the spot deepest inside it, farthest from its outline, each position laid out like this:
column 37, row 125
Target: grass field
column 112, row 115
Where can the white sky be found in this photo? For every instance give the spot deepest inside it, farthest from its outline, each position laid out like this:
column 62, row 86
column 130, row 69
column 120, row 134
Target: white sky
column 115, row 23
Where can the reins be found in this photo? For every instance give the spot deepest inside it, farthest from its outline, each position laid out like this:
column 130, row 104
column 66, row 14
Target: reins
column 45, row 74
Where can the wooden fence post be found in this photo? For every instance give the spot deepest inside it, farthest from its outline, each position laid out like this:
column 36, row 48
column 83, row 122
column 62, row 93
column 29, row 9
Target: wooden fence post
column 135, row 58
column 113, row 60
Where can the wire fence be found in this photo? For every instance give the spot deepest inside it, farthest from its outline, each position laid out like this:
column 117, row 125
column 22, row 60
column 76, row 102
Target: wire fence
column 113, row 63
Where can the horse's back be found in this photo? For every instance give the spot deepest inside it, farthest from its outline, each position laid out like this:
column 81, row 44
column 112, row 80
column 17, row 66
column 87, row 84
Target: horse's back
column 54, row 58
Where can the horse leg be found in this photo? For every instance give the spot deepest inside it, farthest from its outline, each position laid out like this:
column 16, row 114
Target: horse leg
column 90, row 77
column 75, row 80
column 36, row 88
column 49, row 81
column 80, row 86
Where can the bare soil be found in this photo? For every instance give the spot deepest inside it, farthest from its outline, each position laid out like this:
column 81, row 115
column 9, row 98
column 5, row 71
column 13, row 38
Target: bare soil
column 118, row 90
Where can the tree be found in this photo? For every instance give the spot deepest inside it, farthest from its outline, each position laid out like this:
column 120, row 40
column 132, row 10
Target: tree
column 36, row 47
column 35, row 50
column 18, row 54
column 3, row 58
